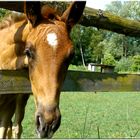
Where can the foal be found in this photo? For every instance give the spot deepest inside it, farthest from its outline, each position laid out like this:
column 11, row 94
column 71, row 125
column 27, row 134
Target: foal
column 45, row 39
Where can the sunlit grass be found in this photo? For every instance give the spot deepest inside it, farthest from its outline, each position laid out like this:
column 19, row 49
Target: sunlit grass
column 90, row 115
column 78, row 68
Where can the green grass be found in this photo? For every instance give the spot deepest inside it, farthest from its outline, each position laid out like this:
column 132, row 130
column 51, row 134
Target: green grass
column 77, row 68
column 90, row 115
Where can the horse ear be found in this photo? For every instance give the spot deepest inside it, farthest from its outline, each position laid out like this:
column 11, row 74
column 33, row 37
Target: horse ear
column 73, row 13
column 33, row 11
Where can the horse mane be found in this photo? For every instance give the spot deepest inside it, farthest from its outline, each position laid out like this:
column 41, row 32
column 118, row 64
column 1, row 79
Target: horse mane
column 46, row 11
column 10, row 19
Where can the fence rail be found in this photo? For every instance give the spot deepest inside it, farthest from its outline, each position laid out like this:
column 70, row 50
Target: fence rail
column 18, row 82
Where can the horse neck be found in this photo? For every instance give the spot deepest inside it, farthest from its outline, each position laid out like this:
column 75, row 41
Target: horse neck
column 12, row 44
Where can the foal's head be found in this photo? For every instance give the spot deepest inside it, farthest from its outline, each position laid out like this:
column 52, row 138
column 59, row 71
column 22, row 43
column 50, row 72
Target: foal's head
column 49, row 50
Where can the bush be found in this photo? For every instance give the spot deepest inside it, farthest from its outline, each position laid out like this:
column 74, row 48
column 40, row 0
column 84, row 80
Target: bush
column 3, row 12
column 136, row 63
column 124, row 64
column 108, row 60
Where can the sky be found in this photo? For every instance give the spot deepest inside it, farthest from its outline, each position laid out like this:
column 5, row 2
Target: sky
column 97, row 4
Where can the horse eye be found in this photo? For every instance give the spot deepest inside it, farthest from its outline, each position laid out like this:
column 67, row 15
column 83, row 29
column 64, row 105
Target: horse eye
column 28, row 53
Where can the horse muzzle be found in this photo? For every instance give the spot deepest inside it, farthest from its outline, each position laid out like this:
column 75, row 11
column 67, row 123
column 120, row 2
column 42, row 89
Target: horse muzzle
column 46, row 129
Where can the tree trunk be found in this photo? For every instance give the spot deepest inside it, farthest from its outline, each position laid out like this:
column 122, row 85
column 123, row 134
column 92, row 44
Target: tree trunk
column 82, row 56
column 125, row 44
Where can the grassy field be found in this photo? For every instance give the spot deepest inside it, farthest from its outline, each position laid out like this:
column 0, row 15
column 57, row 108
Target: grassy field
column 90, row 115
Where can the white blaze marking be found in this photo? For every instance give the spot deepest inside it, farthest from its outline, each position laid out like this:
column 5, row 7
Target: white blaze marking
column 52, row 39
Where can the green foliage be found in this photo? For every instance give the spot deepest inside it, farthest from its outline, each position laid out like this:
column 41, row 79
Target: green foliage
column 113, row 44
column 127, row 9
column 124, row 64
column 97, row 46
column 3, row 12
column 29, row 120
column 136, row 63
column 81, row 37
column 108, row 60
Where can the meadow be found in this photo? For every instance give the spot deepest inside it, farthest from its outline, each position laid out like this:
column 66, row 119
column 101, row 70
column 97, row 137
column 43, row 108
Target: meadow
column 93, row 115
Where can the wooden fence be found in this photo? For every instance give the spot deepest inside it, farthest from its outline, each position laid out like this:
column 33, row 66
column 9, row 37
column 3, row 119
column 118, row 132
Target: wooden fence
column 18, row 82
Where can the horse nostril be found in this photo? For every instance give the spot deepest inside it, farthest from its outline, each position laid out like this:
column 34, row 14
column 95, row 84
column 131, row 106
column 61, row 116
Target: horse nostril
column 38, row 121
column 56, row 124
column 47, row 127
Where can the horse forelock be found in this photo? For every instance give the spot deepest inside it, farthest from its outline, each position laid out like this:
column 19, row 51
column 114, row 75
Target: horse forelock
column 49, row 13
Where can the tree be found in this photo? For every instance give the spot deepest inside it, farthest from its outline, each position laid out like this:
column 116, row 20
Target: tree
column 81, row 37
column 131, row 10
column 96, row 46
column 108, row 60
column 123, row 48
